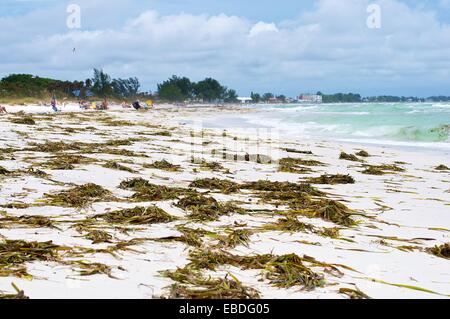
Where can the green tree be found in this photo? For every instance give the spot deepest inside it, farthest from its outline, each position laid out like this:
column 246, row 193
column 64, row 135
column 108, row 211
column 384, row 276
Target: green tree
column 176, row 89
column 209, row 90
column 101, row 83
column 231, row 96
column 256, row 97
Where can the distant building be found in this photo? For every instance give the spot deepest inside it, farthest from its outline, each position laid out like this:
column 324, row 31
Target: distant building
column 245, row 100
column 310, row 98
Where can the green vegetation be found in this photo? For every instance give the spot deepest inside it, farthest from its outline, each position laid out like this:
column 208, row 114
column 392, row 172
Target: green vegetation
column 180, row 89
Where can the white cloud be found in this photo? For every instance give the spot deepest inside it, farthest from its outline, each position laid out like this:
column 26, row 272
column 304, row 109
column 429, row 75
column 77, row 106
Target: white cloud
column 262, row 27
column 328, row 48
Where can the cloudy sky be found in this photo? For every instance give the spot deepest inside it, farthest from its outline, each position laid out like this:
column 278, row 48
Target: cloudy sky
column 284, row 46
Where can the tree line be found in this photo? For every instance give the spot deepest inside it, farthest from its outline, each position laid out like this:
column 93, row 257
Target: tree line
column 180, row 89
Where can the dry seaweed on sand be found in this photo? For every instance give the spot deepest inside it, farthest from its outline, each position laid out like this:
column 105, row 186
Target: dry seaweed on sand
column 212, row 166
column 292, row 150
column 288, row 224
column 189, row 236
column 26, row 120
column 332, row 179
column 289, row 271
column 212, row 288
column 163, row 165
column 31, row 221
column 202, row 208
column 353, row 293
column 235, row 238
column 15, row 253
column 66, row 161
column 297, row 165
column 20, row 294
column 85, row 268
column 4, row 171
column 98, row 236
column 382, row 169
column 79, row 196
column 442, row 168
column 327, row 209
column 225, row 186
column 349, row 157
column 442, row 251
column 137, row 216
column 363, row 153
column 116, row 166
column 54, row 147
column 146, row 191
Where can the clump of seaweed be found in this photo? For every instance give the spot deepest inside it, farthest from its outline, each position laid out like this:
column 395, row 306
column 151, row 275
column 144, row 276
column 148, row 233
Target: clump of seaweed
column 14, row 253
column 349, row 157
column 164, row 165
column 146, row 191
column 225, row 186
column 4, row 171
column 209, row 288
column 442, row 251
column 326, row 209
column 189, row 236
column 85, row 268
column 137, row 216
column 382, row 169
column 204, row 208
column 353, row 294
column 289, row 271
column 98, row 236
column 79, row 196
column 235, row 238
column 442, row 168
column 297, row 165
column 66, row 161
column 26, row 120
column 363, row 153
column 33, row 221
column 292, row 150
column 162, row 133
column 20, row 294
column 212, row 166
column 332, row 179
column 116, row 166
column 288, row 224
column 54, row 147
column 283, row 271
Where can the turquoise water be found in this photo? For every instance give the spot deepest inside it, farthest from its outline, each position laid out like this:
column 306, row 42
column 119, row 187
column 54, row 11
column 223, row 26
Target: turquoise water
column 383, row 123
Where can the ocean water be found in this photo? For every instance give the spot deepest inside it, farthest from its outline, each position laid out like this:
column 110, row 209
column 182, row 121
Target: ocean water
column 424, row 125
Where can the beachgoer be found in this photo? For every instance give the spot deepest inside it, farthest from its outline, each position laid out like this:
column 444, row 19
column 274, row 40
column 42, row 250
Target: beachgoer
column 137, row 105
column 3, row 110
column 53, row 104
column 104, row 104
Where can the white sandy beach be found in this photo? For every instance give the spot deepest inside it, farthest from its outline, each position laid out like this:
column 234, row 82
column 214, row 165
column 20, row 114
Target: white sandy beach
column 400, row 214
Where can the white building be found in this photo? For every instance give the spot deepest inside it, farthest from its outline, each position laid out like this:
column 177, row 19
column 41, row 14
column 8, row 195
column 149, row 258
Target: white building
column 310, row 98
column 245, row 100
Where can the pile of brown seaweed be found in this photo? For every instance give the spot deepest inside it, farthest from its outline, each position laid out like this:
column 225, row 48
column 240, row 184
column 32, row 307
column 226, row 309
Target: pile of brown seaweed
column 225, row 186
column 137, row 216
column 148, row 192
column 204, row 208
column 332, row 179
column 79, row 196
